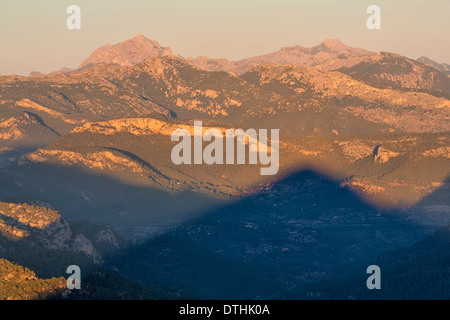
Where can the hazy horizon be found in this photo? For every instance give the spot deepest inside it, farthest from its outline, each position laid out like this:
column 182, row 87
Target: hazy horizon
column 35, row 38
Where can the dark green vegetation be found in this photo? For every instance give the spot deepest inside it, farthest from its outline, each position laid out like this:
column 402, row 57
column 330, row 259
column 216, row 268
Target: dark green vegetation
column 421, row 271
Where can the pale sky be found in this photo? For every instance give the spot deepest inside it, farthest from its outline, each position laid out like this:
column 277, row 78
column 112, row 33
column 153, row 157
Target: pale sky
column 34, row 36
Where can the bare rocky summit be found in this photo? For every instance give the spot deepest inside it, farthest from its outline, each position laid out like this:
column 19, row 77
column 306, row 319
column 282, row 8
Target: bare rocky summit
column 127, row 53
column 331, row 54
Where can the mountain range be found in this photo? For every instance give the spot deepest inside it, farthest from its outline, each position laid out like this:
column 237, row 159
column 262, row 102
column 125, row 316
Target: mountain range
column 86, row 174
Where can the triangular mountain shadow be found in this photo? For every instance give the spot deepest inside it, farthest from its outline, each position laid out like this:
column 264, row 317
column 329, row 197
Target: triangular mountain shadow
column 302, row 228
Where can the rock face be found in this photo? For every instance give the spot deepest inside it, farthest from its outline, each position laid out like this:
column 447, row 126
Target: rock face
column 381, row 155
column 127, row 53
column 33, row 223
column 43, row 226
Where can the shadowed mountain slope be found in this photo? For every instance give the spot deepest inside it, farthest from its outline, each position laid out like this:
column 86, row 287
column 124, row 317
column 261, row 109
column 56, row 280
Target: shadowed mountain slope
column 301, row 229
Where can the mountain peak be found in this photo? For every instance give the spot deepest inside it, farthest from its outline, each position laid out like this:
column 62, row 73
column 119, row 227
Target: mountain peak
column 140, row 38
column 333, row 43
column 337, row 46
column 127, row 53
column 423, row 58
